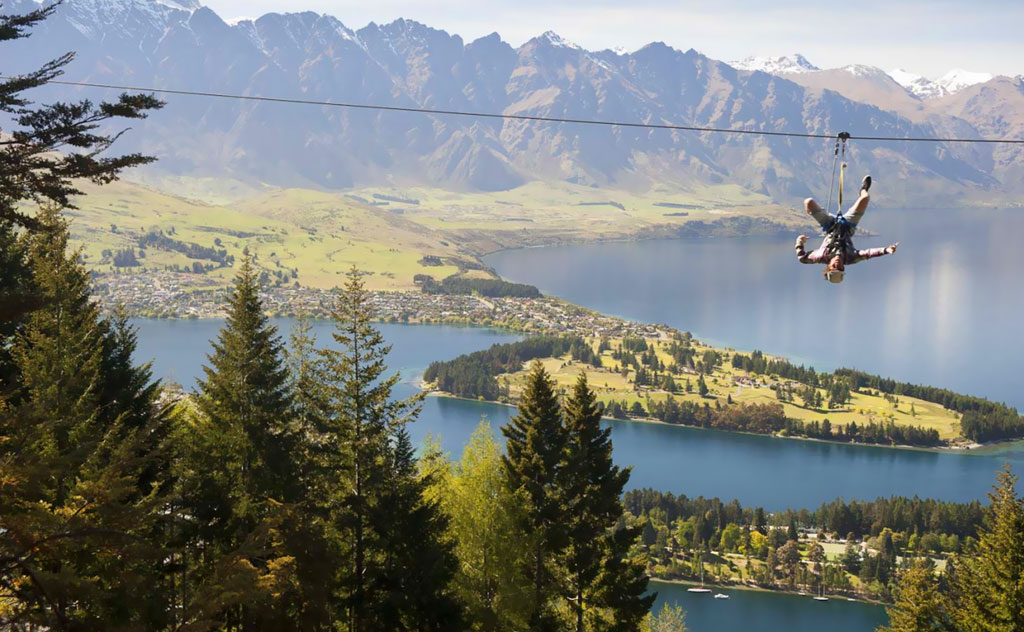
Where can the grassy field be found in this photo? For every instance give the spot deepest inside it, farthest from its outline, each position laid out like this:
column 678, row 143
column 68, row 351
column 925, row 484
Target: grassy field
column 313, row 237
column 316, row 236
column 726, row 382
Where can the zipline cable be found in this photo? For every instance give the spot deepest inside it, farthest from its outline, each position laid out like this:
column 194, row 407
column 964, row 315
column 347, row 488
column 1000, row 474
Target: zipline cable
column 524, row 117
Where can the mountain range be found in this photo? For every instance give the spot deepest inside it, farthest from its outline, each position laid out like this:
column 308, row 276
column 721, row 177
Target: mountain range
column 918, row 86
column 185, row 46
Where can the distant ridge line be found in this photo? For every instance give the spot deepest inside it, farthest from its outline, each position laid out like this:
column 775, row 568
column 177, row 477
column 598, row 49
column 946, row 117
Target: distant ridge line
column 525, row 117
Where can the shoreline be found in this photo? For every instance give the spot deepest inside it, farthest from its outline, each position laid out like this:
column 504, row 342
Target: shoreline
column 430, row 392
column 761, row 589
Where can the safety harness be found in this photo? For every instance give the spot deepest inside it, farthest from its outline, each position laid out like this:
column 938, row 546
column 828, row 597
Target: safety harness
column 840, row 232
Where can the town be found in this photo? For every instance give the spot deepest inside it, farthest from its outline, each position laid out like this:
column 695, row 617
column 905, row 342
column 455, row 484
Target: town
column 176, row 295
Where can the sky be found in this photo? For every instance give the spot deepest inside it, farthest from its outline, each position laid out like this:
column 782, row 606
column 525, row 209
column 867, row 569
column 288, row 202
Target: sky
column 927, row 38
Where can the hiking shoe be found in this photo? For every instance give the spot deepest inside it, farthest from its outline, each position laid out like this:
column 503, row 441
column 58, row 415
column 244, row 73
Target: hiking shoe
column 865, row 184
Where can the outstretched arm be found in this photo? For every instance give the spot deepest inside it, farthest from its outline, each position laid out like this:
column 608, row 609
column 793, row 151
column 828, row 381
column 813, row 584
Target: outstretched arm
column 817, row 256
column 871, row 253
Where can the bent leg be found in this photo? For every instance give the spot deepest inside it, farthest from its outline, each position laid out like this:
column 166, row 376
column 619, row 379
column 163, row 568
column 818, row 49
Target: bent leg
column 819, row 214
column 857, row 210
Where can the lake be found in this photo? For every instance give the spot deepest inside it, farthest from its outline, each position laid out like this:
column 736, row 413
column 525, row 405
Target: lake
column 754, row 611
column 945, row 310
column 691, row 461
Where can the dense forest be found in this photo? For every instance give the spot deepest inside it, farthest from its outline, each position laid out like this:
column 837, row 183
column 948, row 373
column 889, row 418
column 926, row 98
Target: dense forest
column 490, row 288
column 473, row 375
column 942, row 566
column 931, row 521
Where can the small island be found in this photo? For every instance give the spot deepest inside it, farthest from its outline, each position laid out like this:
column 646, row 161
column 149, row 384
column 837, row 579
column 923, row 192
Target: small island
column 668, row 376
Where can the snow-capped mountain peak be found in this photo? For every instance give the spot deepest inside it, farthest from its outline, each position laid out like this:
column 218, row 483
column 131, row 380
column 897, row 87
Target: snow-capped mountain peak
column 861, row 70
column 557, row 40
column 958, row 79
column 921, row 87
column 774, row 65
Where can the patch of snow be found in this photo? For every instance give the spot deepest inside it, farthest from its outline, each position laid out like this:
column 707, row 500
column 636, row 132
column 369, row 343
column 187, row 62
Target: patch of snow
column 860, row 70
column 957, row 79
column 919, row 86
column 775, row 65
column 557, row 40
column 187, row 5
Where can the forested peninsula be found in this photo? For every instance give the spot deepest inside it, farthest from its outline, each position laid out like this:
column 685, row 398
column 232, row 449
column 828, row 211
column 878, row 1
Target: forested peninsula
column 669, row 376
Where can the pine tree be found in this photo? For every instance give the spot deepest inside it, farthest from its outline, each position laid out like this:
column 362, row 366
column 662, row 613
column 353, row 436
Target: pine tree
column 918, row 605
column 591, row 492
column 364, row 419
column 702, row 386
column 535, row 442
column 240, row 481
column 308, row 536
column 82, row 498
column 989, row 595
column 419, row 562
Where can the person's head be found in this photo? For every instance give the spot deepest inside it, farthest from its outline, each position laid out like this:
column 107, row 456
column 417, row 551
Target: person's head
column 835, row 270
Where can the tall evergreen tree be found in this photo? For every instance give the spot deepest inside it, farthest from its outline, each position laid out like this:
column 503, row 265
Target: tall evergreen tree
column 534, row 455
column 82, row 500
column 419, row 563
column 240, row 480
column 989, row 591
column 592, row 489
column 918, row 604
column 308, row 534
column 245, row 391
column 364, row 421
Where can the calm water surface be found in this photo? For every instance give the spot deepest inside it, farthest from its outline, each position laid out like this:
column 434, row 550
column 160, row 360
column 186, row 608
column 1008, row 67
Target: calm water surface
column 750, row 611
column 771, row 472
column 944, row 310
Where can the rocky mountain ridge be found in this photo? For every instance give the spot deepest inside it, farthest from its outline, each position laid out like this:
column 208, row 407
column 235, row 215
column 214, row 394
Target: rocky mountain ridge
column 180, row 45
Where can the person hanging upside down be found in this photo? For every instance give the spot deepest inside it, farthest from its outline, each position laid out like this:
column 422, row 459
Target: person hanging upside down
column 837, row 248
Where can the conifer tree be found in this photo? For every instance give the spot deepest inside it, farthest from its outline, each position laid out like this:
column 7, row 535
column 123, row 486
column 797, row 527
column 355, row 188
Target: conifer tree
column 918, row 605
column 592, row 489
column 245, row 390
column 534, row 454
column 240, row 480
column 81, row 499
column 364, row 420
column 989, row 591
column 418, row 560
column 308, row 534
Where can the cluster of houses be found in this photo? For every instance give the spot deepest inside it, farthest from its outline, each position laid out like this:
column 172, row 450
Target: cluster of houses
column 182, row 295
